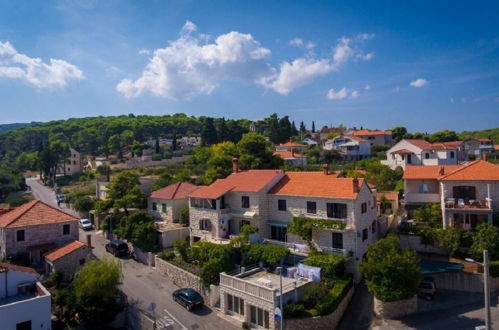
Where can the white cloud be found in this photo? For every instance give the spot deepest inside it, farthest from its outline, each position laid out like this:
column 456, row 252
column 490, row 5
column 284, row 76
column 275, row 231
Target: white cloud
column 365, row 36
column 195, row 64
column 452, row 100
column 464, row 100
column 367, row 87
column 144, row 52
column 342, row 94
column 418, row 83
column 34, row 71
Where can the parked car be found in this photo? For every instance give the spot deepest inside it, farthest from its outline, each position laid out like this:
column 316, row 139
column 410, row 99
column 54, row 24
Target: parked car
column 85, row 224
column 117, row 248
column 188, row 298
column 427, row 288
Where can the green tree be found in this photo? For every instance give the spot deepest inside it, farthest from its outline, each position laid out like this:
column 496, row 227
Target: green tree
column 208, row 132
column 268, row 253
column 313, row 126
column 443, row 136
column 83, row 203
column 431, row 213
column 256, row 153
column 391, row 273
column 331, row 265
column 123, row 191
column 486, row 238
column 184, row 216
column 139, row 229
column 398, row 133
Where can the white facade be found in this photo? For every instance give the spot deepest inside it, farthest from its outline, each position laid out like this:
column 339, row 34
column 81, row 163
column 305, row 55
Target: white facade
column 351, row 148
column 16, row 307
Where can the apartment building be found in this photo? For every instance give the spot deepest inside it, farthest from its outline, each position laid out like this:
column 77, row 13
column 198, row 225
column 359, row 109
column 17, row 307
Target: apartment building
column 375, row 137
column 350, row 147
column 269, row 199
column 409, row 152
column 24, row 302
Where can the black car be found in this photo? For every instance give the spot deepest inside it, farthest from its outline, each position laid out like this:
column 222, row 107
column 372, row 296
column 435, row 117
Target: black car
column 188, row 298
column 117, row 248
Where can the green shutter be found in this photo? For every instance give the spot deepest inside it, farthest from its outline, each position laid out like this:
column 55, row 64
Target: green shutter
column 163, row 208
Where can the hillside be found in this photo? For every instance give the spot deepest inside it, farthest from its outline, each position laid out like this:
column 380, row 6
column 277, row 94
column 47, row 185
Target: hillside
column 9, row 127
column 491, row 133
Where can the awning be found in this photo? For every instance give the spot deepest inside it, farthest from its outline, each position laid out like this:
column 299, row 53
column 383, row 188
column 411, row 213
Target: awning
column 277, row 223
column 243, row 214
column 429, row 267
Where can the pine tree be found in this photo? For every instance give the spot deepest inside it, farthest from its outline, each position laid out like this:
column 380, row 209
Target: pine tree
column 313, row 126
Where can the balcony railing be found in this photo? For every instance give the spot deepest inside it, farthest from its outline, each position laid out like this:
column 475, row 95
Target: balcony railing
column 332, row 250
column 452, row 203
column 293, row 247
column 246, row 287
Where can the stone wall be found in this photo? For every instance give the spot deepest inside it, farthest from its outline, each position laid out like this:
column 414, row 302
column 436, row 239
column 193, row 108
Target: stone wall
column 462, row 281
column 395, row 309
column 69, row 264
column 413, row 242
column 321, row 322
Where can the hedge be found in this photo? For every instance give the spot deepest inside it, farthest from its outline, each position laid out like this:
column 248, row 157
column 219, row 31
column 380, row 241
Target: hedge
column 494, row 268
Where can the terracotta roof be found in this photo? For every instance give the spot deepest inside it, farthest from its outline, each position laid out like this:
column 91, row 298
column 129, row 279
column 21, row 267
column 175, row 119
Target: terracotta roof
column 425, row 145
column 366, row 132
column 475, row 171
column 428, row 171
column 485, row 140
column 5, row 266
column 64, row 250
column 331, row 130
column 496, row 147
column 34, row 213
column 179, row 190
column 288, row 154
column 250, row 181
column 402, row 152
column 357, row 138
column 291, row 144
column 389, row 195
column 316, row 184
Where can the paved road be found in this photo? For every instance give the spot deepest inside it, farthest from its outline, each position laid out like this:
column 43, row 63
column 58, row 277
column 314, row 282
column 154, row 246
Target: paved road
column 143, row 285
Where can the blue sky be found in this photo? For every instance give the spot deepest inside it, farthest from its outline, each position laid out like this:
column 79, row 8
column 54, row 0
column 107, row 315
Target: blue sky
column 426, row 65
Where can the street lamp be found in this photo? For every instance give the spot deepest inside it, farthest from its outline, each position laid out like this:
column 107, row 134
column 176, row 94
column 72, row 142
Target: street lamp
column 485, row 264
column 281, row 323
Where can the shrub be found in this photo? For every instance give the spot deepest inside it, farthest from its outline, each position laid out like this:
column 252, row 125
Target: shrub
column 179, row 246
column 157, row 157
column 184, row 216
column 270, row 254
column 494, row 268
column 331, row 265
column 334, row 297
column 486, row 238
column 314, row 293
column 210, row 272
column 17, row 199
column 294, row 310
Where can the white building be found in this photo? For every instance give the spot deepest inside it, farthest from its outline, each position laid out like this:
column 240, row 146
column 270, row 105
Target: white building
column 24, row 302
column 350, row 147
column 420, row 152
column 73, row 164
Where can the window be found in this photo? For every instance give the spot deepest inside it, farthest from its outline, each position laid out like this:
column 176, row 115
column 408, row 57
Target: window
column 278, row 233
column 311, row 207
column 259, row 317
column 427, row 155
column 235, row 304
column 423, row 188
column 163, row 208
column 154, row 206
column 20, row 235
column 409, row 159
column 337, row 241
column 74, row 162
column 281, row 205
column 65, row 229
column 452, row 154
column 204, row 224
column 365, row 234
column 373, row 226
column 26, row 325
column 464, row 192
column 363, row 207
column 336, row 210
column 82, row 261
column 245, row 202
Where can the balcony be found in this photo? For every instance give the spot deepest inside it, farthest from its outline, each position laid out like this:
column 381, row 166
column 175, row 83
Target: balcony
column 422, row 198
column 471, row 204
column 332, row 250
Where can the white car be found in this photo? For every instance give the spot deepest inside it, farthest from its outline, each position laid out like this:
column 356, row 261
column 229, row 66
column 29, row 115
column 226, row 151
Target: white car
column 85, row 224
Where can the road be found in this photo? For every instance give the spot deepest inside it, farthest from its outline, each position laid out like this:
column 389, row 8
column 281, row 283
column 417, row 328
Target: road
column 143, row 285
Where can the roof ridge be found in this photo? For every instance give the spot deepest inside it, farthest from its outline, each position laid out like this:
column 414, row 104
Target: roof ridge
column 176, row 189
column 464, row 166
column 59, row 210
column 27, row 206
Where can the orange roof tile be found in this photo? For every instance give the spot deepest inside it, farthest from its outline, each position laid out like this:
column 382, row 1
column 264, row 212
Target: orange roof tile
column 485, row 140
column 64, row 250
column 496, row 147
column 250, row 181
column 6, row 266
column 453, row 143
column 366, row 132
column 292, row 144
column 316, row 184
column 475, row 171
column 357, row 138
column 178, row 190
column 389, row 195
column 402, row 152
column 288, row 154
column 34, row 213
column 417, row 172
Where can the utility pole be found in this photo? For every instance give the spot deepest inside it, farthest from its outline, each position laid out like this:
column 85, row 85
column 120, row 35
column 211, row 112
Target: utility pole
column 488, row 321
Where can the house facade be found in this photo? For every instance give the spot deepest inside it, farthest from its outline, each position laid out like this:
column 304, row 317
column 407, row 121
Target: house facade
column 292, row 158
column 35, row 228
column 477, row 148
column 74, row 163
column 24, row 302
column 67, row 259
column 350, row 147
column 409, row 152
column 375, row 137
column 269, row 199
column 166, row 203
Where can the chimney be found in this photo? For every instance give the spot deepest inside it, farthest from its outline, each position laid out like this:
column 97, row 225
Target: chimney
column 441, row 171
column 356, row 187
column 235, row 165
column 89, row 241
column 325, row 169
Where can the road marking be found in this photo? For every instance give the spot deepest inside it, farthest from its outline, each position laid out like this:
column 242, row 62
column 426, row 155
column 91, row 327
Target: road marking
column 173, row 317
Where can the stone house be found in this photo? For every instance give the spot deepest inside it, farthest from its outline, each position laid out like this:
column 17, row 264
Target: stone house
column 73, row 164
column 269, row 199
column 166, row 203
column 35, row 228
column 409, row 152
column 24, row 302
column 67, row 259
column 375, row 137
